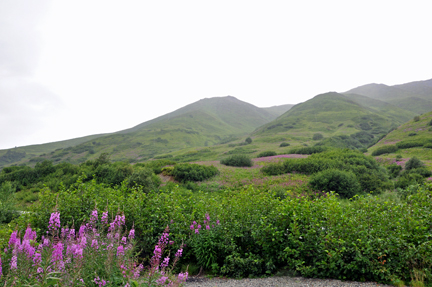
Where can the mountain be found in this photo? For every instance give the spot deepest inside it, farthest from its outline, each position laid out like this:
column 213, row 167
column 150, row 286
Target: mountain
column 333, row 114
column 414, row 96
column 204, row 123
column 278, row 110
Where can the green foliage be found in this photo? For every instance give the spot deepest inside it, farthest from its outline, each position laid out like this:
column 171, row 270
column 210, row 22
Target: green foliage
column 412, row 134
column 384, row 149
column 308, row 150
column 428, row 145
column 284, row 144
column 394, row 170
column 369, row 174
column 317, row 137
column 416, row 118
column 413, row 162
column 237, row 160
column 411, row 143
column 344, row 183
column 248, row 140
column 193, row 172
column 259, row 233
column 7, row 203
column 144, row 179
column 266, row 153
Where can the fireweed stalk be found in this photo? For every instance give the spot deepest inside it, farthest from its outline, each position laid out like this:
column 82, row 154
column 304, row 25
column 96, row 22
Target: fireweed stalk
column 98, row 254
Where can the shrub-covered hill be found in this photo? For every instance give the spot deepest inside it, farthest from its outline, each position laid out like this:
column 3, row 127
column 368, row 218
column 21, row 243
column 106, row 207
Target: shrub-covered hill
column 331, row 115
column 413, row 96
column 413, row 138
column 203, row 123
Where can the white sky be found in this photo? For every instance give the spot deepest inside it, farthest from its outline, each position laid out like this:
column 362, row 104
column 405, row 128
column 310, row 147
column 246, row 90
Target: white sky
column 81, row 67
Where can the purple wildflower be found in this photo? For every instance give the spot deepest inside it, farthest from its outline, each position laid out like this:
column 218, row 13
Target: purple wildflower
column 37, row 259
column 196, row 231
column 165, row 262
column 217, row 222
column 14, row 263
column 207, row 227
column 82, row 231
column 120, row 251
column 207, row 217
column 179, row 253
column 95, row 244
column 194, row 222
column 54, row 222
column 137, row 271
column 1, row 270
column 93, row 217
column 57, row 254
column 132, row 234
column 199, row 226
column 105, row 217
column 162, row 280
column 192, row 227
column 123, row 240
column 182, row 277
column 13, row 239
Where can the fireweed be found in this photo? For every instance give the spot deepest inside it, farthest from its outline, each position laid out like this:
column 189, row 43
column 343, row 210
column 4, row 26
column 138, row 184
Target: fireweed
column 99, row 254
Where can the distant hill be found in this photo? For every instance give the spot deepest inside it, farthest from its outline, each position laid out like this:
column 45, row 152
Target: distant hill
column 333, row 114
column 414, row 96
column 9, row 156
column 203, row 123
column 278, row 110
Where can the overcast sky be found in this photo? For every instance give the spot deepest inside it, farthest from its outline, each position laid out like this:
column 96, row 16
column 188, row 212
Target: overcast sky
column 75, row 68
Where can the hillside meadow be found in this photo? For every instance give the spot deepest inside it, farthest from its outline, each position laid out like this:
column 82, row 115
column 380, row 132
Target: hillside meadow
column 249, row 217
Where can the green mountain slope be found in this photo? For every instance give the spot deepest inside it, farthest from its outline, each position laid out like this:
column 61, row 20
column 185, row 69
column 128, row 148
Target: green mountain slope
column 9, row 156
column 331, row 115
column 414, row 96
column 203, row 123
column 395, row 113
column 413, row 138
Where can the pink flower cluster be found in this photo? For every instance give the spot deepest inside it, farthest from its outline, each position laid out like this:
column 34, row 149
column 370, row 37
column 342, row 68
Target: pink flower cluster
column 196, row 226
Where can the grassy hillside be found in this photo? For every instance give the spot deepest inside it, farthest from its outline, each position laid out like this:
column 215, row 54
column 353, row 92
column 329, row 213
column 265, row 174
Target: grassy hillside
column 417, row 134
column 330, row 115
column 205, row 123
column 414, row 96
column 9, row 156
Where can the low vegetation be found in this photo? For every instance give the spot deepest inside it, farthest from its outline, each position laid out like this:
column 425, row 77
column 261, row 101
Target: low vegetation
column 237, row 160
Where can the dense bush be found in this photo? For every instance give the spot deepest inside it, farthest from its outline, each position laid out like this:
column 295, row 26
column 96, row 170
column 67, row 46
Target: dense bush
column 428, row 145
column 307, row 150
column 384, row 149
column 248, row 140
column 342, row 182
column 193, row 172
column 144, row 179
column 413, row 162
column 369, row 174
column 317, row 137
column 366, row 239
column 237, row 160
column 266, row 153
column 284, row 144
column 394, row 170
column 7, row 203
column 416, row 118
column 411, row 143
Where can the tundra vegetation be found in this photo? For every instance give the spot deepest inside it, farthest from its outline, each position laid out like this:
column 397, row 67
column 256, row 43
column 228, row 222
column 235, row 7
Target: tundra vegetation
column 327, row 213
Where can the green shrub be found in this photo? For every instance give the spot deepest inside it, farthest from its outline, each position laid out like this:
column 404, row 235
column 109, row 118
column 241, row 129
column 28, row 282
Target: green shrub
column 238, row 160
column 394, row 170
column 267, row 153
column 144, row 179
column 384, row 149
column 7, row 203
column 430, row 123
column 428, row 145
column 317, row 137
column 344, row 183
column 411, row 143
column 416, row 118
column 413, row 162
column 308, row 150
column 284, row 144
column 412, row 134
column 193, row 172
column 248, row 140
